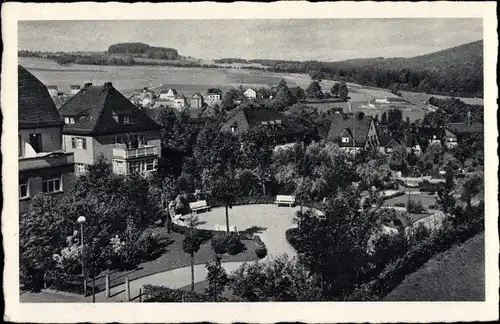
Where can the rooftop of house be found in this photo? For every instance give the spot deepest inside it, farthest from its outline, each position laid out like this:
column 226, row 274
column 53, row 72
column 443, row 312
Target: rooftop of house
column 197, row 95
column 75, row 86
column 465, row 127
column 51, row 87
column 356, row 127
column 214, row 91
column 94, row 108
column 431, row 132
column 385, row 139
column 35, row 106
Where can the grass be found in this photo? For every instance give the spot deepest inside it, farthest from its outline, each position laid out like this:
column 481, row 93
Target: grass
column 425, row 200
column 455, row 275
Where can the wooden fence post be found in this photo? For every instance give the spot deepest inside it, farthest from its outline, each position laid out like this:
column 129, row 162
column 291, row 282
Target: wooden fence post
column 127, row 289
column 107, row 285
column 140, row 295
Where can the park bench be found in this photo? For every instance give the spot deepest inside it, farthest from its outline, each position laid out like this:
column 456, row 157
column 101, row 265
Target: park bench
column 222, row 228
column 199, row 205
column 285, row 200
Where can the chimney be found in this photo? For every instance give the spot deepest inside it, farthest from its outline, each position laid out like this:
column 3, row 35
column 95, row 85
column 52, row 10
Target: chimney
column 108, row 85
column 86, row 85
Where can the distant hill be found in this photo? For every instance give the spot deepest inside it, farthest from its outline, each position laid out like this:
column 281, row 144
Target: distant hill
column 144, row 50
column 456, row 71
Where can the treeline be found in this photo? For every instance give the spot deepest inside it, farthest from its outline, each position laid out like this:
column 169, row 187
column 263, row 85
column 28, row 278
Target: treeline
column 452, row 110
column 144, row 50
column 456, row 71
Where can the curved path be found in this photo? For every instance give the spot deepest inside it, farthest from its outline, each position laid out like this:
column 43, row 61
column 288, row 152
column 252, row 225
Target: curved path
column 267, row 221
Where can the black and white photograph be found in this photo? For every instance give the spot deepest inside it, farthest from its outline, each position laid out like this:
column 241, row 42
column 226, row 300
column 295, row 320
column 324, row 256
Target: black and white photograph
column 231, row 161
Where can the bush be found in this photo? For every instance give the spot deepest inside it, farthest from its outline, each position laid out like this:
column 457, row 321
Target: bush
column 397, row 194
column 155, row 294
column 219, row 243
column 261, row 249
column 240, row 201
column 399, row 204
column 235, row 245
column 61, row 281
column 203, row 234
column 290, row 235
column 415, row 207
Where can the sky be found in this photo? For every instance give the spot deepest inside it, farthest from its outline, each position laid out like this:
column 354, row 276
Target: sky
column 289, row 39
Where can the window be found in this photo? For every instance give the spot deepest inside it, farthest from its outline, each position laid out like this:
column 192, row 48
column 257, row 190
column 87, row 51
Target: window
column 345, row 139
column 119, row 168
column 73, row 142
column 80, row 168
column 134, row 167
column 81, row 143
column 150, row 165
column 69, row 120
column 36, row 142
column 52, row 185
column 23, row 189
column 119, row 140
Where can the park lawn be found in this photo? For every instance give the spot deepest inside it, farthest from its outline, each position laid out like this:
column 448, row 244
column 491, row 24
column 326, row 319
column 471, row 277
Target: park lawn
column 425, row 200
column 454, row 275
column 174, row 257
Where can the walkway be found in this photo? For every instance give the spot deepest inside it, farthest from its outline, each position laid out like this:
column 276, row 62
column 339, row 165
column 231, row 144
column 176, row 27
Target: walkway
column 268, row 221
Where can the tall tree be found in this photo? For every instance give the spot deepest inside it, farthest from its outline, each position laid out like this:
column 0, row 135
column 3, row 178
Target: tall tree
column 191, row 244
column 314, row 90
column 217, row 278
column 343, row 91
column 395, row 120
column 335, row 89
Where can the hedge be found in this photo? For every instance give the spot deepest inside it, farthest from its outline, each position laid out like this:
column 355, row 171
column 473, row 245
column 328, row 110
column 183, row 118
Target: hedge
column 159, row 294
column 290, row 237
column 394, row 273
column 61, row 281
column 397, row 194
column 241, row 201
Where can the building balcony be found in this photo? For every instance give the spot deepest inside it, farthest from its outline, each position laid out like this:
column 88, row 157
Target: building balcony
column 133, row 153
column 46, row 160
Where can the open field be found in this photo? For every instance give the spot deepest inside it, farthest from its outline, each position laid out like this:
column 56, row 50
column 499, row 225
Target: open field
column 455, row 275
column 421, row 97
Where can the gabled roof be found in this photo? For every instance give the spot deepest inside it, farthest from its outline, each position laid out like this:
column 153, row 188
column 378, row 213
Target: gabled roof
column 197, row 95
column 357, row 128
column 94, row 107
column 75, row 86
column 431, row 132
column 464, row 128
column 386, row 139
column 214, row 91
column 35, row 106
column 156, row 114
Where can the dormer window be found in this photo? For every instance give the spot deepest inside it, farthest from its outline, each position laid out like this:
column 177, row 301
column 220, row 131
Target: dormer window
column 345, row 139
column 69, row 120
column 125, row 119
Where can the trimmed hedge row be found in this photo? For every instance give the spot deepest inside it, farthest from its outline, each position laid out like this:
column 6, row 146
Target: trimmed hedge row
column 261, row 249
column 159, row 294
column 290, row 237
column 394, row 273
column 240, row 201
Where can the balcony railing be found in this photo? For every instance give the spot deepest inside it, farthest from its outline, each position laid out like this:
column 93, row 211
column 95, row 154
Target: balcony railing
column 46, row 160
column 149, row 150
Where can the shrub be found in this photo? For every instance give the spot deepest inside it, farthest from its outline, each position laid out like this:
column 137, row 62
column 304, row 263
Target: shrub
column 415, row 207
column 234, row 244
column 290, row 235
column 155, row 294
column 399, row 204
column 219, row 243
column 261, row 251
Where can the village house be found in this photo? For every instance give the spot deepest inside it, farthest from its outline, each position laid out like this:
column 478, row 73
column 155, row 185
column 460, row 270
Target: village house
column 43, row 166
column 100, row 121
column 214, row 94
column 74, row 89
column 196, row 101
column 168, row 94
column 250, row 93
column 464, row 130
column 353, row 133
column 438, row 135
column 53, row 90
column 179, row 102
column 281, row 131
column 387, row 143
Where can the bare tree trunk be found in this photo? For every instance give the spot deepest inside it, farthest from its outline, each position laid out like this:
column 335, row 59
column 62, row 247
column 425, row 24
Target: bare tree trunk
column 192, row 272
column 227, row 218
column 93, row 282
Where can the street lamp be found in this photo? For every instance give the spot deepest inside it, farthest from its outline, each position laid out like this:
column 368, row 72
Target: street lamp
column 81, row 220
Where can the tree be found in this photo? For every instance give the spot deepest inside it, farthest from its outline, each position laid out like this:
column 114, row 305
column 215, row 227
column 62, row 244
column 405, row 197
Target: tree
column 383, row 119
column 298, row 93
column 335, row 89
column 336, row 248
column 445, row 194
column 343, row 91
column 217, row 278
column 223, row 188
column 41, row 234
column 256, row 153
column 314, row 90
column 191, row 244
column 303, row 191
column 230, row 97
column 394, row 120
column 283, row 99
column 472, row 187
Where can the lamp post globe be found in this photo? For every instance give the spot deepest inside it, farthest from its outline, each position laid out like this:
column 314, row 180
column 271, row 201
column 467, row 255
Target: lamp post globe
column 81, row 219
